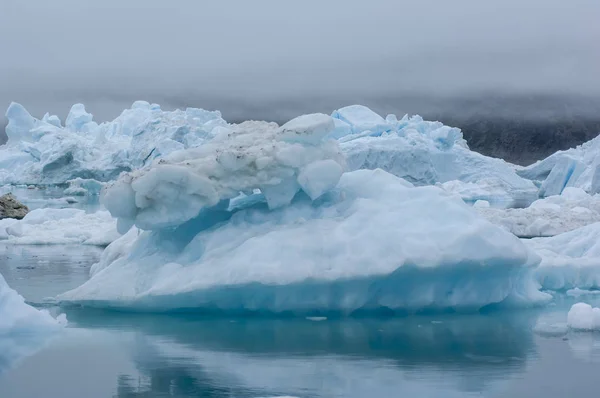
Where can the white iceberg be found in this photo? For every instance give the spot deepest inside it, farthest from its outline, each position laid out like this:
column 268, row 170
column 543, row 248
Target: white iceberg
column 22, row 327
column 60, row 226
column 311, row 239
column 83, row 187
column 576, row 167
column 584, row 317
column 569, row 260
column 44, row 152
column 551, row 216
column 427, row 153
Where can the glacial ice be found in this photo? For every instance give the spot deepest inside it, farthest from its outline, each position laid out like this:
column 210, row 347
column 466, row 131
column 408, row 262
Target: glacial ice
column 18, row 317
column 569, row 260
column 550, row 216
column 575, row 167
column 424, row 153
column 43, row 152
column 22, row 327
column 584, row 317
column 83, row 187
column 427, row 153
column 373, row 242
column 280, row 161
column 60, row 226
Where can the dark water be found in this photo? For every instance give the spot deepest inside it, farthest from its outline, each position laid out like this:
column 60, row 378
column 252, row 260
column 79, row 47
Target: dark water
column 111, row 354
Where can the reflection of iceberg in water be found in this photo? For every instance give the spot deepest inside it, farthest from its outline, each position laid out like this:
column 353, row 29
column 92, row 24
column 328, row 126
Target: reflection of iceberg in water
column 267, row 357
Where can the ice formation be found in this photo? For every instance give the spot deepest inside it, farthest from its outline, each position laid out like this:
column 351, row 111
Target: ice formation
column 372, row 242
column 60, row 226
column 569, row 260
column 83, row 187
column 280, row 161
column 584, row 317
column 44, row 152
column 22, row 327
column 18, row 317
column 572, row 209
column 426, row 153
column 576, row 167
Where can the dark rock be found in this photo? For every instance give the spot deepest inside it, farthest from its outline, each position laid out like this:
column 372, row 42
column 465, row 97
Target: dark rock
column 10, row 207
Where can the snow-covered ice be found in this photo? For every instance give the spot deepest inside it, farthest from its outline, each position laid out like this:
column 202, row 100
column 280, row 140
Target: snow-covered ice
column 584, row 317
column 60, row 226
column 550, row 216
column 372, row 242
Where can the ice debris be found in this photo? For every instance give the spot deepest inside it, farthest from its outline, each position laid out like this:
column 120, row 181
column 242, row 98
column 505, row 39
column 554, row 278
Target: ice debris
column 551, row 216
column 584, row 317
column 60, row 226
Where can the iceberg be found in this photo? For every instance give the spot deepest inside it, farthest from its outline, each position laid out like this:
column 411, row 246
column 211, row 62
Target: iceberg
column 43, row 152
column 83, row 187
column 569, row 260
column 550, row 216
column 583, row 317
column 575, row 167
column 22, row 328
column 263, row 219
column 60, row 226
column 428, row 153
column 424, row 153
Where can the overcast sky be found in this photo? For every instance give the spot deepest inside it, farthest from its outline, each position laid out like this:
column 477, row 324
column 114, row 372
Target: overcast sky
column 257, row 58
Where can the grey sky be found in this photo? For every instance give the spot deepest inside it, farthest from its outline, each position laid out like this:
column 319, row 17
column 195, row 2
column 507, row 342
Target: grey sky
column 264, row 57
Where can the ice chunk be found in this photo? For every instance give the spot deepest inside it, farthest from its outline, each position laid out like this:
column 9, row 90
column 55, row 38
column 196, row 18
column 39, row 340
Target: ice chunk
column 361, row 118
column 60, row 226
column 583, row 317
column 22, row 327
column 575, row 167
column 255, row 155
column 426, row 153
column 569, row 260
column 20, row 124
column 78, row 118
column 373, row 242
column 319, row 177
column 83, row 186
column 550, row 216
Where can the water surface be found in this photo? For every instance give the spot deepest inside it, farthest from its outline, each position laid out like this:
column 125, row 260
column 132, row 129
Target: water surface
column 525, row 353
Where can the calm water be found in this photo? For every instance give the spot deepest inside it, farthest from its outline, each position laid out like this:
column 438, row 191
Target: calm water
column 104, row 354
